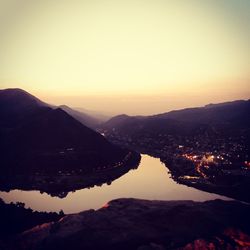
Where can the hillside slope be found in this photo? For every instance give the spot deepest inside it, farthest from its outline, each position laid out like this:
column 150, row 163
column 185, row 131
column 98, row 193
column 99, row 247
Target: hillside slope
column 36, row 137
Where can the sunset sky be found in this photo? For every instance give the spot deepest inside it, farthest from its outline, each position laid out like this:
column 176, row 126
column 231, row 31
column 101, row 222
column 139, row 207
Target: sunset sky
column 130, row 56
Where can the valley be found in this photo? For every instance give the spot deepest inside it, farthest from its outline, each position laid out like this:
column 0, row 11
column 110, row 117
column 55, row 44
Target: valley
column 208, row 152
column 127, row 171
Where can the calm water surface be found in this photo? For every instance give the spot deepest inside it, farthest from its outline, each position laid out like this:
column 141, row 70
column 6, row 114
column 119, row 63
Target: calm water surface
column 150, row 180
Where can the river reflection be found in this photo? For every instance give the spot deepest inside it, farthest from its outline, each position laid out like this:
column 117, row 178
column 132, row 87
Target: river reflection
column 150, row 180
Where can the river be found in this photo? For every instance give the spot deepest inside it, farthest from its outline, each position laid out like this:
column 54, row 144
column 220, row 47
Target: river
column 150, row 180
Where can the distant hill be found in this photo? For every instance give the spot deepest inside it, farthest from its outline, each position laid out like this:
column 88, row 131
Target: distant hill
column 120, row 121
column 100, row 116
column 228, row 112
column 224, row 116
column 36, row 137
column 84, row 118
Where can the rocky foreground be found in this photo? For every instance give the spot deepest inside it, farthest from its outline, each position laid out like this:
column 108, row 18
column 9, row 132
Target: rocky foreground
column 145, row 225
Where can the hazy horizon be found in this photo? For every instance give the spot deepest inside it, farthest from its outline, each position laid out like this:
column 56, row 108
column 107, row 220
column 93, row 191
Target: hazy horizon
column 131, row 105
column 134, row 57
column 159, row 104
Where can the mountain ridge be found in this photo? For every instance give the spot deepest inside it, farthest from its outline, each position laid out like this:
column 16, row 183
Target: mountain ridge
column 19, row 100
column 227, row 114
column 36, row 137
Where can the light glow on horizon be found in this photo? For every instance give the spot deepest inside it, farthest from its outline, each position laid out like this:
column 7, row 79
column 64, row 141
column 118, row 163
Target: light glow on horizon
column 189, row 52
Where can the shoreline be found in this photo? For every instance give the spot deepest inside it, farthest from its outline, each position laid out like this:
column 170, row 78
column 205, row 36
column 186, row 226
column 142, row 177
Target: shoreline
column 60, row 185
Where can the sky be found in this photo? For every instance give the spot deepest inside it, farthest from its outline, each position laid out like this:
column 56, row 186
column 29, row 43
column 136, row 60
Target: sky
column 130, row 56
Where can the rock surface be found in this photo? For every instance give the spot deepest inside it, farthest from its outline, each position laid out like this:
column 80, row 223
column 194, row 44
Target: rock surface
column 144, row 225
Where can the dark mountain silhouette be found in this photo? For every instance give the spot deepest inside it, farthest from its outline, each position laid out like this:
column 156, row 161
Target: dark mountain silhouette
column 227, row 117
column 17, row 104
column 124, row 120
column 20, row 98
column 36, row 137
column 228, row 112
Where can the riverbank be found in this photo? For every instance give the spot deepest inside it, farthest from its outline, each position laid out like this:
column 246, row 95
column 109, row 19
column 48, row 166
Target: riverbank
column 233, row 184
column 142, row 224
column 151, row 180
column 62, row 183
column 212, row 163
